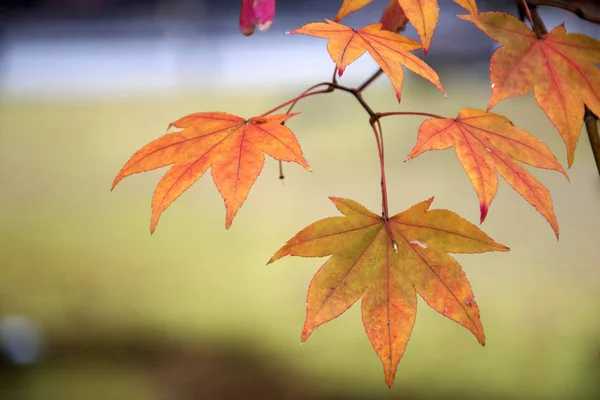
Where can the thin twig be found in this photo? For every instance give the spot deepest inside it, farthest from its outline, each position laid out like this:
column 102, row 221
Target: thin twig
column 297, row 99
column 356, row 93
column 534, row 26
column 423, row 114
column 370, row 80
column 573, row 8
column 385, row 214
column 305, row 94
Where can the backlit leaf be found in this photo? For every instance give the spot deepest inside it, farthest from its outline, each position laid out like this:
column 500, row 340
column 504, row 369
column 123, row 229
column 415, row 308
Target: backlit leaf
column 364, row 263
column 390, row 50
column 560, row 67
column 233, row 147
column 486, row 143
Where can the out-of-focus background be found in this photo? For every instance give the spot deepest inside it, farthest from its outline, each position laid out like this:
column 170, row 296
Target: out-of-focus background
column 94, row 307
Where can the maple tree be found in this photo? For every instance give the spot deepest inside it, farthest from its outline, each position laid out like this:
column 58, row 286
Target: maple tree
column 388, row 259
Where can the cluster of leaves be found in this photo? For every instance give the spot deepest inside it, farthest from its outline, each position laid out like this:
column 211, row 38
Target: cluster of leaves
column 387, row 259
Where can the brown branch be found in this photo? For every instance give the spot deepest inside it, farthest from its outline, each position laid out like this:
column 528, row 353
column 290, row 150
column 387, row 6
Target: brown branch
column 572, row 8
column 370, row 80
column 591, row 125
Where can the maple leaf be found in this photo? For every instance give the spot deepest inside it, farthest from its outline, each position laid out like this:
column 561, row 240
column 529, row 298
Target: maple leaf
column 422, row 14
column 560, row 67
column 233, row 147
column 364, row 263
column 390, row 50
column 485, row 143
column 256, row 12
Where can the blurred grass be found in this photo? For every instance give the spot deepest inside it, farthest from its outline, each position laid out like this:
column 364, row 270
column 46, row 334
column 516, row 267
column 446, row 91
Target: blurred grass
column 80, row 259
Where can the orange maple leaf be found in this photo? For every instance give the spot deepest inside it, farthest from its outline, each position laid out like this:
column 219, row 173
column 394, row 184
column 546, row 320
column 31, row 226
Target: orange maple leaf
column 422, row 14
column 389, row 49
column 485, row 143
column 560, row 67
column 364, row 262
column 233, row 147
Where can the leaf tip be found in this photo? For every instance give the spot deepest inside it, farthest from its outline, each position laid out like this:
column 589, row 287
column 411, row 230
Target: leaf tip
column 502, row 247
column 389, row 379
column 483, row 210
column 116, row 181
column 305, row 334
column 429, row 201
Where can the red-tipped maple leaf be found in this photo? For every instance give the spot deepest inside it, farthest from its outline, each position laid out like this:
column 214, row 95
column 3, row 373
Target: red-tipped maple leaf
column 560, row 67
column 365, row 263
column 485, row 143
column 390, row 50
column 422, row 14
column 233, row 147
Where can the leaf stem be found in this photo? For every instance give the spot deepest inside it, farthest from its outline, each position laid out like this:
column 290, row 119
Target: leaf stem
column 305, row 94
column 385, row 214
column 534, row 26
column 370, row 80
column 423, row 114
column 358, row 95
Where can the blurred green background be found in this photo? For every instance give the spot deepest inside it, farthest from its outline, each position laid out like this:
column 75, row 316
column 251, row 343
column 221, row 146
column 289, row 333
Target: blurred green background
column 122, row 311
column 193, row 311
